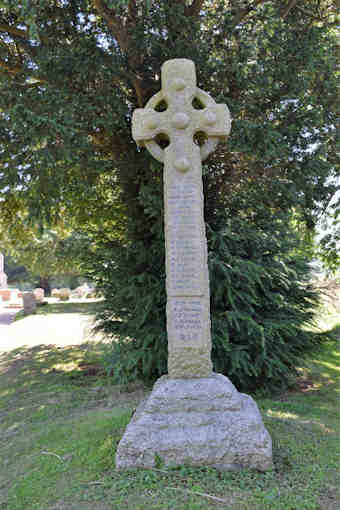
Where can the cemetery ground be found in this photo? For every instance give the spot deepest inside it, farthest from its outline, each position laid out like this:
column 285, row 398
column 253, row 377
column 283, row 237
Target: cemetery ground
column 61, row 421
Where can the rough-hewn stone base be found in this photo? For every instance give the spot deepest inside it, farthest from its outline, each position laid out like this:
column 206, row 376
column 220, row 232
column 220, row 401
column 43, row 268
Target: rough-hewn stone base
column 198, row 422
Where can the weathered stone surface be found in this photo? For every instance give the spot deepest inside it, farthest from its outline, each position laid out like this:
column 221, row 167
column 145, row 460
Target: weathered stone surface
column 64, row 293
column 39, row 294
column 81, row 291
column 29, row 301
column 203, row 421
column 5, row 294
column 187, row 282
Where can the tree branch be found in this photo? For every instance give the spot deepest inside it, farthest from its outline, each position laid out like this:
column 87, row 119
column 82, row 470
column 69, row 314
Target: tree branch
column 13, row 30
column 108, row 14
column 194, row 8
column 121, row 30
column 286, row 10
column 11, row 69
column 242, row 13
column 133, row 10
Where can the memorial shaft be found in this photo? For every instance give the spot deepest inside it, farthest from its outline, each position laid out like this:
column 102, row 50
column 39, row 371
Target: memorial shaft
column 187, row 280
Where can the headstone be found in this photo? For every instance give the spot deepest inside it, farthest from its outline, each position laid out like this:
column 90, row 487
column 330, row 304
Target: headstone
column 192, row 416
column 64, row 294
column 3, row 276
column 15, row 299
column 5, row 294
column 81, row 291
column 39, row 294
column 29, row 302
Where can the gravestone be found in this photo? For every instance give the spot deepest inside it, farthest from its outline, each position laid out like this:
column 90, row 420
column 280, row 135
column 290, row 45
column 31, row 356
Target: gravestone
column 39, row 294
column 29, row 302
column 193, row 416
column 3, row 276
column 64, row 294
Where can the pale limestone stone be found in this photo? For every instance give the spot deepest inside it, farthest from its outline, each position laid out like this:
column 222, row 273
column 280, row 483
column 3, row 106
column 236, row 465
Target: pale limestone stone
column 192, row 416
column 81, row 291
column 188, row 312
column 64, row 293
column 29, row 302
column 5, row 294
column 196, row 422
column 39, row 294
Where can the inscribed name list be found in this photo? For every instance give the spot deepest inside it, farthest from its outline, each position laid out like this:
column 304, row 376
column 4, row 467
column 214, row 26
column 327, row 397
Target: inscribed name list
column 185, row 249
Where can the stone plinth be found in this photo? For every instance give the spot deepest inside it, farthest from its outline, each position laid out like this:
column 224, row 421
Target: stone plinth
column 29, row 302
column 197, row 422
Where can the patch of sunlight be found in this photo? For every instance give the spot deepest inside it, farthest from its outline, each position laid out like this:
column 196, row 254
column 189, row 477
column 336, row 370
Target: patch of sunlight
column 107, row 444
column 45, row 351
column 5, row 392
column 319, row 424
column 61, row 367
column 327, row 375
column 30, row 382
column 329, row 365
column 14, row 426
column 281, row 414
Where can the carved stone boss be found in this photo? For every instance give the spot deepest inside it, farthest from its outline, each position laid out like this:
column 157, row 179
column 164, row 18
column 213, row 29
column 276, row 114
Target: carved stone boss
column 179, row 112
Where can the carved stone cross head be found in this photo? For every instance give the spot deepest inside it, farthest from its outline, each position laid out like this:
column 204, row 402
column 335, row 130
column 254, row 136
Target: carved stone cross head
column 179, row 113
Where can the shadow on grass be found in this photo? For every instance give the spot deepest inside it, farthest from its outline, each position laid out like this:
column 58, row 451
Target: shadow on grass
column 48, row 366
column 89, row 307
column 310, row 413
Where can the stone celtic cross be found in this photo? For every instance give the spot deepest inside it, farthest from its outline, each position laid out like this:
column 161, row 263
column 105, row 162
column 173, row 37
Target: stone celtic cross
column 180, row 113
column 192, row 416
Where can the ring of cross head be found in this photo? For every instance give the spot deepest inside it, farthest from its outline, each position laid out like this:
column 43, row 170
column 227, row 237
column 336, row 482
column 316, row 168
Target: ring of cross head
column 181, row 121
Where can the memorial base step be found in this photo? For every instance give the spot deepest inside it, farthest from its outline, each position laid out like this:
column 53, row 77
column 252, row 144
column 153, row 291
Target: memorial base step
column 197, row 422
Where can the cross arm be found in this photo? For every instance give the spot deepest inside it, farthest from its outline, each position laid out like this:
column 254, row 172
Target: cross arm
column 213, row 120
column 147, row 124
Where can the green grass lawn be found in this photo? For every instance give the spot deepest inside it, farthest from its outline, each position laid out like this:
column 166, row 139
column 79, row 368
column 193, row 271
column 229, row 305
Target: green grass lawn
column 60, row 423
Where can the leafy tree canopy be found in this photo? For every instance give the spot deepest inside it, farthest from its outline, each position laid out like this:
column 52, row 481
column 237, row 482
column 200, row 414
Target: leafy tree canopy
column 72, row 72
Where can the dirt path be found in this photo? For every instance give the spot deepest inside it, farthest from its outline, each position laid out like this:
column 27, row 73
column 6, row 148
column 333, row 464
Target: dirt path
column 6, row 317
column 57, row 329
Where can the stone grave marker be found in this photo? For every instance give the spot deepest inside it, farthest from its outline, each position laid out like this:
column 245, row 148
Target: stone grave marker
column 39, row 294
column 64, row 294
column 29, row 302
column 193, row 416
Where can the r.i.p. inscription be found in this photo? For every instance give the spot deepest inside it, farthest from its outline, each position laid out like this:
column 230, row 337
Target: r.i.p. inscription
column 187, row 281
